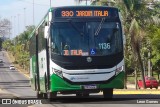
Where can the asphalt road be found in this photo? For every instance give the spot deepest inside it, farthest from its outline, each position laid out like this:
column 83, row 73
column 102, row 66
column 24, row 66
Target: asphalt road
column 14, row 81
column 16, row 84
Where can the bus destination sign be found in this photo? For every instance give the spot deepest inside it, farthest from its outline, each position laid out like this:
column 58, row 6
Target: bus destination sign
column 84, row 13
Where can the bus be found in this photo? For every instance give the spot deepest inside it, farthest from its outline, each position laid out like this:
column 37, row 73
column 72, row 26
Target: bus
column 77, row 50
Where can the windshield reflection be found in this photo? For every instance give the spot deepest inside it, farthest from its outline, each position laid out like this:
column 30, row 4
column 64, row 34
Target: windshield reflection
column 79, row 39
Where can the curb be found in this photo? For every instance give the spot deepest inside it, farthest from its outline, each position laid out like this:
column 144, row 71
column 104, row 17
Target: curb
column 134, row 92
column 137, row 92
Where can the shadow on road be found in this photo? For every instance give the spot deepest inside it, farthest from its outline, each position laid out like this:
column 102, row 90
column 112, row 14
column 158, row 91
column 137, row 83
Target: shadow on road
column 98, row 99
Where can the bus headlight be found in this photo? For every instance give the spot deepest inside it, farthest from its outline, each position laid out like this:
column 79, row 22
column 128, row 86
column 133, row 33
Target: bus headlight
column 58, row 72
column 119, row 69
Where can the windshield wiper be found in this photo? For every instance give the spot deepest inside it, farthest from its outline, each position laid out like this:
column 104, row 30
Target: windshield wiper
column 75, row 27
column 99, row 27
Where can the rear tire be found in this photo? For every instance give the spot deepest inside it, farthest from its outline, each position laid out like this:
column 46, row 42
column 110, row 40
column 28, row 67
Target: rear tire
column 51, row 96
column 108, row 93
column 45, row 95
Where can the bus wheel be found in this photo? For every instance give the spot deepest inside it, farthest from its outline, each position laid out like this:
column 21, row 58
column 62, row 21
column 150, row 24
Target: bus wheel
column 86, row 95
column 45, row 95
column 51, row 96
column 79, row 95
column 108, row 93
column 39, row 95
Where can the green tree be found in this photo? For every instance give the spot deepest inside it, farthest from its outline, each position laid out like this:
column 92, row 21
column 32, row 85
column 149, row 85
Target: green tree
column 132, row 13
column 154, row 35
column 19, row 47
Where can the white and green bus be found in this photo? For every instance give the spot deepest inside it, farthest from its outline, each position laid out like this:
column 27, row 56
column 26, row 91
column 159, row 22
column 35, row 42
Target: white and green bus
column 77, row 50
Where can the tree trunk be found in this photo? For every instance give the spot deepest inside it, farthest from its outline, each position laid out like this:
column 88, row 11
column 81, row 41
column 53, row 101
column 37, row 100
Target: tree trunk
column 142, row 69
column 135, row 72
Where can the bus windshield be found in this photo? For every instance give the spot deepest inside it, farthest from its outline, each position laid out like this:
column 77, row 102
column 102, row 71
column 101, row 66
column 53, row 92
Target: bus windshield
column 86, row 38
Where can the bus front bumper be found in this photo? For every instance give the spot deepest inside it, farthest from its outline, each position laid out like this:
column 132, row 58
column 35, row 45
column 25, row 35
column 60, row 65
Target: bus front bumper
column 58, row 84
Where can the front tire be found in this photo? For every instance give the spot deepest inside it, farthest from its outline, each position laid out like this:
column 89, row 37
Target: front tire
column 86, row 95
column 108, row 93
column 82, row 95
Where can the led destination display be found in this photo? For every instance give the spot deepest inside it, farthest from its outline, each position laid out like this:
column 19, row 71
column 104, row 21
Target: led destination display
column 86, row 12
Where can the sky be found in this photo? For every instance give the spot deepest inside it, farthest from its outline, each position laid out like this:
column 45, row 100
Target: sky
column 20, row 12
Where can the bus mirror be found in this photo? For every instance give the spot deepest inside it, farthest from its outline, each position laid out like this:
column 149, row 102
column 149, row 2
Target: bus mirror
column 124, row 40
column 46, row 31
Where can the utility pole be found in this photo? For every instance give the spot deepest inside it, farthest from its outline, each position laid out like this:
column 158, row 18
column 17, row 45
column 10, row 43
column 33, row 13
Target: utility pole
column 14, row 26
column 50, row 3
column 10, row 27
column 24, row 18
column 18, row 22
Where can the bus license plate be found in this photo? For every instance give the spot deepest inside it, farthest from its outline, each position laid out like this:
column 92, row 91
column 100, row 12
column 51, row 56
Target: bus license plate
column 90, row 86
